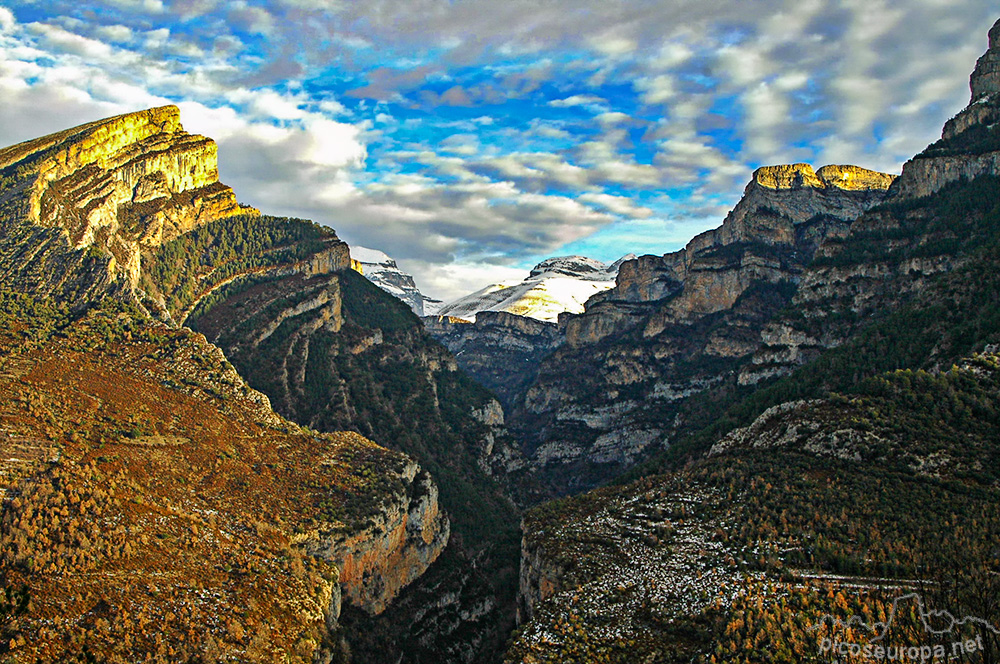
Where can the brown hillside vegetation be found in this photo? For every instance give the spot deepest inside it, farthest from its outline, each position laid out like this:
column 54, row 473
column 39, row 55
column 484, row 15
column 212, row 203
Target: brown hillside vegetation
column 154, row 501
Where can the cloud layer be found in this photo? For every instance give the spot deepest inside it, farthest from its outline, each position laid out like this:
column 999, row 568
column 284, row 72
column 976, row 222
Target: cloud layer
column 470, row 139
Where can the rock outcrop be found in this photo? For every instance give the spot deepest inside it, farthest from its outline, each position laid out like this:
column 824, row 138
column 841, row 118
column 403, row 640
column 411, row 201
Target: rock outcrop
column 131, row 208
column 970, row 142
column 399, row 543
column 678, row 324
column 985, row 81
column 84, row 203
column 382, row 271
column 890, row 255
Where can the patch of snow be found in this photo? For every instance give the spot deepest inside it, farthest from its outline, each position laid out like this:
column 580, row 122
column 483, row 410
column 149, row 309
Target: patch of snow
column 554, row 286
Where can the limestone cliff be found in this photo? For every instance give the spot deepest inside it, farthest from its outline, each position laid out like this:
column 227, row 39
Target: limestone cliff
column 132, row 207
column 892, row 254
column 678, row 324
column 970, row 142
column 78, row 207
column 398, row 544
column 335, row 352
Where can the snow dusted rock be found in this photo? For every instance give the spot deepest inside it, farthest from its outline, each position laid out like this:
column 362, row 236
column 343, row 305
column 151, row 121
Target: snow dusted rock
column 382, row 271
column 554, row 286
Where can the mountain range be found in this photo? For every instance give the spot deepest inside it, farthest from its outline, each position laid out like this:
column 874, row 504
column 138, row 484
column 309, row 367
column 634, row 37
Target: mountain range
column 220, row 442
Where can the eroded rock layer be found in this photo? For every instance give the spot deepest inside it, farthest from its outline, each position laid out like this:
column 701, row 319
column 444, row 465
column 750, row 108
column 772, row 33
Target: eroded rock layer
column 678, row 324
column 78, row 207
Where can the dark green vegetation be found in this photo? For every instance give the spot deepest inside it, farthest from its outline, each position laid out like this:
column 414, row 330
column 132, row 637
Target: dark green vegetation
column 334, row 352
column 184, row 269
column 792, row 534
column 956, row 315
column 883, row 478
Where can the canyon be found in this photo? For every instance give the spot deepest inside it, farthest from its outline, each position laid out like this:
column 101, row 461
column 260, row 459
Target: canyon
column 221, row 438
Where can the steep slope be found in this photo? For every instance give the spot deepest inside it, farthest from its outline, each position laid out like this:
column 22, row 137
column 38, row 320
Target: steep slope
column 335, row 352
column 145, row 484
column 827, row 508
column 382, row 271
column 676, row 325
column 78, row 207
column 862, row 482
column 891, row 252
column 130, row 208
column 554, row 286
column 500, row 334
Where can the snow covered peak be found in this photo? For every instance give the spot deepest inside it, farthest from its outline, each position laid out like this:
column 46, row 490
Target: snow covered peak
column 554, row 286
column 577, row 267
column 382, row 271
column 371, row 256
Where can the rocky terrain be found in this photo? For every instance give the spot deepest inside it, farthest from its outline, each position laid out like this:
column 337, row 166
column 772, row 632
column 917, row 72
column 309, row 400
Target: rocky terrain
column 168, row 493
column 553, row 287
column 676, row 325
column 80, row 206
column 805, row 260
column 131, row 208
column 334, row 352
column 218, row 442
column 382, row 271
column 501, row 350
column 866, row 473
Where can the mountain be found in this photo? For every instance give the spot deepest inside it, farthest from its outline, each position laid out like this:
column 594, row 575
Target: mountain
column 673, row 326
column 382, row 271
column 500, row 334
column 554, row 286
column 136, row 442
column 816, row 481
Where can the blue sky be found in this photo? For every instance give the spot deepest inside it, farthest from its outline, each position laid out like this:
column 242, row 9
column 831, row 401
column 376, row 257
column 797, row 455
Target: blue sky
column 470, row 139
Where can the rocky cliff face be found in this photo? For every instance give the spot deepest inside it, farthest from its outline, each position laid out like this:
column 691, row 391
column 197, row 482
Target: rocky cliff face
column 841, row 245
column 172, row 493
column 500, row 350
column 892, row 253
column 729, row 550
column 335, row 352
column 132, row 207
column 382, row 271
column 676, row 325
column 985, row 81
column 970, row 142
column 80, row 206
column 395, row 547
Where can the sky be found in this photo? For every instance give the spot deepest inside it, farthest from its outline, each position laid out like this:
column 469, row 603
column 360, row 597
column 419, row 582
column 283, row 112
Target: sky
column 470, row 139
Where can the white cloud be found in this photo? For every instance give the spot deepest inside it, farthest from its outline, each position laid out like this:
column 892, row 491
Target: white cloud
column 64, row 41
column 7, row 20
column 616, row 205
column 578, row 100
column 450, row 281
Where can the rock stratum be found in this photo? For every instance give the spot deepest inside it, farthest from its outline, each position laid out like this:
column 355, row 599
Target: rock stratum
column 846, row 466
column 94, row 197
column 806, row 259
column 111, row 234
column 675, row 325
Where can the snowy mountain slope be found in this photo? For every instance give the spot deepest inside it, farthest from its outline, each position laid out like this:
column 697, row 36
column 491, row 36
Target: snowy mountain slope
column 382, row 271
column 554, row 286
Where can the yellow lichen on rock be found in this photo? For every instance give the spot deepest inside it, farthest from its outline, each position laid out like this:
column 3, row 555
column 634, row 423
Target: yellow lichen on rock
column 854, row 178
column 787, row 176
